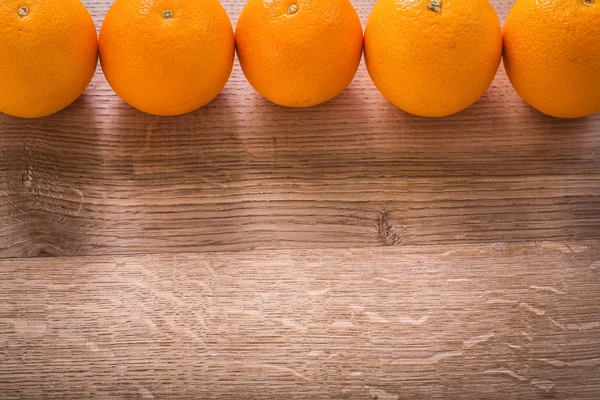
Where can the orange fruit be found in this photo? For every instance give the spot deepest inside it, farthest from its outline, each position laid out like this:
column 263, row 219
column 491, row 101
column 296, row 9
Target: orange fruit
column 552, row 55
column 433, row 57
column 299, row 53
column 167, row 57
column 48, row 55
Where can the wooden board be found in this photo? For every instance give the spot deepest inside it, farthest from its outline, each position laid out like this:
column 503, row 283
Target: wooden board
column 439, row 322
column 241, row 173
column 357, row 251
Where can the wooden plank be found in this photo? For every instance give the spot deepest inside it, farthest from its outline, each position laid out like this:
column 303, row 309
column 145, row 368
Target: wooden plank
column 499, row 321
column 242, row 173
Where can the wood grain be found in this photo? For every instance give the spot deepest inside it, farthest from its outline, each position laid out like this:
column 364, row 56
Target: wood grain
column 502, row 321
column 242, row 173
column 506, row 308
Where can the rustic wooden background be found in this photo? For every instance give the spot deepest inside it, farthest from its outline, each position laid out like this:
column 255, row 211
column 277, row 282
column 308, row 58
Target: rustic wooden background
column 344, row 251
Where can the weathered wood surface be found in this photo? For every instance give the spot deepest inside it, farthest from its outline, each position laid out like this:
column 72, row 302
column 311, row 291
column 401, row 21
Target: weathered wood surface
column 242, row 173
column 506, row 309
column 501, row 321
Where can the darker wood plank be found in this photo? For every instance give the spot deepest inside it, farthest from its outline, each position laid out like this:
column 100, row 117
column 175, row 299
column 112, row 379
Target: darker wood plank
column 241, row 173
column 500, row 321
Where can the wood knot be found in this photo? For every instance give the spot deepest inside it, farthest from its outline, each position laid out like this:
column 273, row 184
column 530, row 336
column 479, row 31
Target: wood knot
column 385, row 230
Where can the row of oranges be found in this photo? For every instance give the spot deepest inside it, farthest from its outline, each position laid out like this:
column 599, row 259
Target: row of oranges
column 428, row 57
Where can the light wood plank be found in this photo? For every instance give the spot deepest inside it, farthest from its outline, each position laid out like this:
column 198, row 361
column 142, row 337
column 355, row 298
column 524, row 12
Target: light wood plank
column 499, row 321
column 242, row 173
